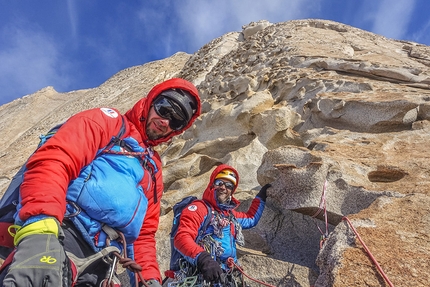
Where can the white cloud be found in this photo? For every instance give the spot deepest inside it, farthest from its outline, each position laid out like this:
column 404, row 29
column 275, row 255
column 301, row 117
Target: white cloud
column 71, row 9
column 393, row 17
column 159, row 28
column 423, row 34
column 30, row 61
column 207, row 20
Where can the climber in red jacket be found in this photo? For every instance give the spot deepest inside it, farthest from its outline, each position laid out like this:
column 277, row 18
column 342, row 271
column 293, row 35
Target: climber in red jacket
column 87, row 194
column 217, row 244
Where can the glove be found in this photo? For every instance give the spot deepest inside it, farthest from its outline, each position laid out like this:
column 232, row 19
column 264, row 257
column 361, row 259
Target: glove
column 263, row 192
column 209, row 268
column 152, row 283
column 39, row 259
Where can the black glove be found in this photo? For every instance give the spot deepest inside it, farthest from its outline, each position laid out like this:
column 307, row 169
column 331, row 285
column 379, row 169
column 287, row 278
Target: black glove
column 209, row 268
column 263, row 192
column 39, row 259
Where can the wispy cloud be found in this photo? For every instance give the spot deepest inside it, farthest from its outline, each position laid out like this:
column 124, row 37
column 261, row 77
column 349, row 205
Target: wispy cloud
column 71, row 44
column 423, row 34
column 392, row 18
column 71, row 9
column 30, row 61
column 206, row 20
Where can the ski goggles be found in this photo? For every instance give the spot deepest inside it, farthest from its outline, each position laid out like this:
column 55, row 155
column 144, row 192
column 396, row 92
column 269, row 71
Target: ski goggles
column 168, row 109
column 228, row 185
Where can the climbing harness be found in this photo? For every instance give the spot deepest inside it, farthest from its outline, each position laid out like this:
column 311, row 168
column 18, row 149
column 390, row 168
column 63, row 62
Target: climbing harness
column 110, row 255
column 126, row 263
column 188, row 276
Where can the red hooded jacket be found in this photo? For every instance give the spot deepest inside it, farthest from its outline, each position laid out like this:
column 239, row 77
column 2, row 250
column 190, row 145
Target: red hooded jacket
column 192, row 218
column 75, row 145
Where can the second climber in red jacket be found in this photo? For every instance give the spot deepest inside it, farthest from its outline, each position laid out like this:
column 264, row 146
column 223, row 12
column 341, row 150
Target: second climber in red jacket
column 218, row 244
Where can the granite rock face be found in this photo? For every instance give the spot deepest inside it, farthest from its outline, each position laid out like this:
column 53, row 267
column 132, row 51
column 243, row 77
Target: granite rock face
column 336, row 118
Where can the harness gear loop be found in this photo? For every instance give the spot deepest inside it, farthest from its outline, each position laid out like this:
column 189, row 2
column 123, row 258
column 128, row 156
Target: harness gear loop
column 82, row 263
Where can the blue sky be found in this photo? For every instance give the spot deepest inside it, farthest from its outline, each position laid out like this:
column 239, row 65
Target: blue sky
column 79, row 44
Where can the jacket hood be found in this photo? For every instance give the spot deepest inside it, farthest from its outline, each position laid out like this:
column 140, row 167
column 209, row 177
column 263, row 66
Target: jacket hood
column 138, row 114
column 209, row 193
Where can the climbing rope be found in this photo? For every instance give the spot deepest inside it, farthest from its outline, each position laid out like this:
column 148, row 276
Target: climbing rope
column 122, row 152
column 126, row 263
column 369, row 253
column 231, row 264
column 322, row 207
column 324, row 235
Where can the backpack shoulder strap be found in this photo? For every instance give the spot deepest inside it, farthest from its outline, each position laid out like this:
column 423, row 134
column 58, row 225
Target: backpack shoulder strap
column 122, row 129
column 117, row 140
column 206, row 221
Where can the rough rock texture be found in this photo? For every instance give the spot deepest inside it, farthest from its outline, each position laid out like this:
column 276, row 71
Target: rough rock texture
column 336, row 118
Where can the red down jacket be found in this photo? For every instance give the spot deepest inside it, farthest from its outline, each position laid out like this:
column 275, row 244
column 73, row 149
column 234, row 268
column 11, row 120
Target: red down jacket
column 192, row 218
column 74, row 146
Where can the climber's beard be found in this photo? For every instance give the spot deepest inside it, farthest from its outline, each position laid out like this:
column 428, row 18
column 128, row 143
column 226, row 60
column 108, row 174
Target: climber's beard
column 223, row 195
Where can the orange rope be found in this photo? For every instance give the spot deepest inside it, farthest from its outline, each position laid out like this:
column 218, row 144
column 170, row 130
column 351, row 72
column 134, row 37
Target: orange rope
column 370, row 254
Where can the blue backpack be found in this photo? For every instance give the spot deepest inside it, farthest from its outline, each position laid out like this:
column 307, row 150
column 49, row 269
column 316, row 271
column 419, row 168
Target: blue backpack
column 10, row 198
column 175, row 256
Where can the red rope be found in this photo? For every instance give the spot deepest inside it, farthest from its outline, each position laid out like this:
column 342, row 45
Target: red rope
column 133, row 153
column 322, row 207
column 230, row 264
column 368, row 252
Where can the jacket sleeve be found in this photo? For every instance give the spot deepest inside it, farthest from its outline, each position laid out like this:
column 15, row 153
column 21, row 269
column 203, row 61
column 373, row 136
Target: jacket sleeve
column 145, row 251
column 60, row 159
column 190, row 223
column 250, row 218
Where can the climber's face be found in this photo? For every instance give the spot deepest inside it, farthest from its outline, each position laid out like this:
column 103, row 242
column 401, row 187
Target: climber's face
column 157, row 126
column 223, row 189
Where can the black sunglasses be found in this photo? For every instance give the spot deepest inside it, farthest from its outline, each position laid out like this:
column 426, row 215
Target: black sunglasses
column 168, row 110
column 227, row 184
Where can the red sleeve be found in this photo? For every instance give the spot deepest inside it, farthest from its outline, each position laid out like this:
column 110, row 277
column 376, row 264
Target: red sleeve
column 190, row 222
column 60, row 160
column 145, row 252
column 252, row 210
column 250, row 218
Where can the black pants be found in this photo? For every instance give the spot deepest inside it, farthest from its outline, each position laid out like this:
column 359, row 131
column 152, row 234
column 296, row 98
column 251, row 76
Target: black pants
column 74, row 243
